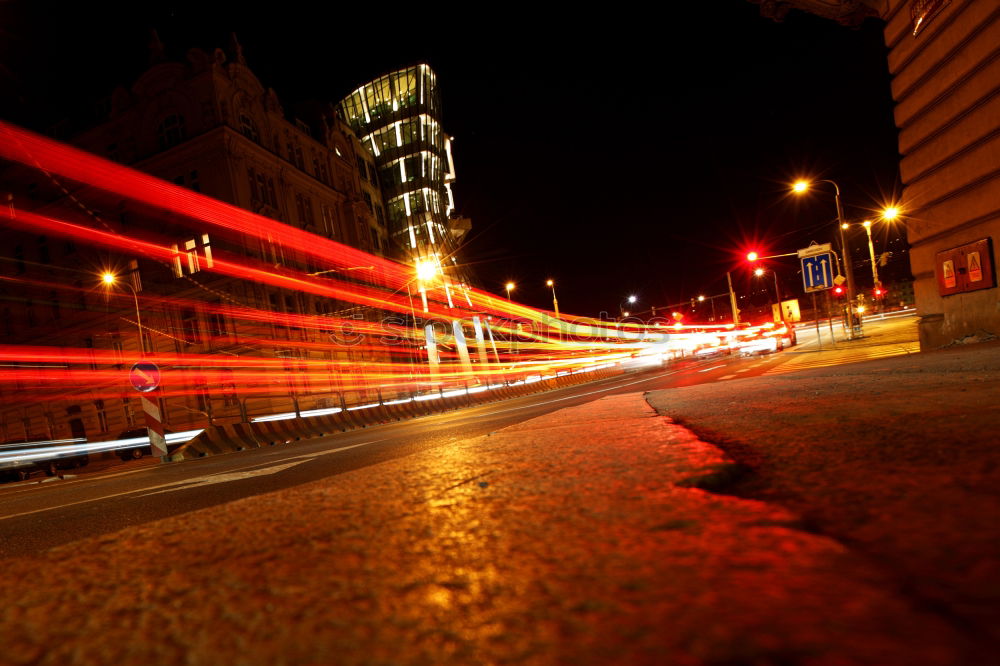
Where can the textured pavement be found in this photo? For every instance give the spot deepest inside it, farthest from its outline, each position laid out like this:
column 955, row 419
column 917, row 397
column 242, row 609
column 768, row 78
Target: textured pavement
column 898, row 459
column 594, row 535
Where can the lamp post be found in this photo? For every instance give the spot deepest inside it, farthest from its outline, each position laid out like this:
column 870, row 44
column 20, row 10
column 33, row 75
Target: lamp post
column 800, row 187
column 555, row 305
column 555, row 302
column 621, row 306
column 777, row 290
column 867, row 224
column 110, row 279
column 509, row 287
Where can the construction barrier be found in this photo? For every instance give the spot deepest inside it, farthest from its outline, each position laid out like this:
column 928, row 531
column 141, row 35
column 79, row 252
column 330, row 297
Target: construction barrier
column 215, row 440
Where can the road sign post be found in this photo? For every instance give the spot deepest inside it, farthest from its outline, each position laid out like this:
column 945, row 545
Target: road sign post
column 145, row 378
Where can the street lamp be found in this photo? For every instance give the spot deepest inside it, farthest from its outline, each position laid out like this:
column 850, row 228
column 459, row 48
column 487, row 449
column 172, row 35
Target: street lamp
column 509, row 287
column 800, row 187
column 759, row 272
column 555, row 302
column 867, row 224
column 110, row 279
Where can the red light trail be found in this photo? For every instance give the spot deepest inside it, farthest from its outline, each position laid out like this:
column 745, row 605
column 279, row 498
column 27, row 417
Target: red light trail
column 464, row 338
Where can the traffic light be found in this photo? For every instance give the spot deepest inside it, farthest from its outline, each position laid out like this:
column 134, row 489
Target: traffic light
column 879, row 292
column 838, row 291
column 752, row 256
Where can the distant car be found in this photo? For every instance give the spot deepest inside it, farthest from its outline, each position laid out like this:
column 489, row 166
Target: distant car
column 137, row 451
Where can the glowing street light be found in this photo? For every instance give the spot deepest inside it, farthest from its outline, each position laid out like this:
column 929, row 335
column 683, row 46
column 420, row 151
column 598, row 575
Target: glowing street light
column 509, row 287
column 701, row 299
column 631, row 299
column 752, row 256
column 801, row 186
column 890, row 213
column 426, row 270
column 110, row 279
column 555, row 302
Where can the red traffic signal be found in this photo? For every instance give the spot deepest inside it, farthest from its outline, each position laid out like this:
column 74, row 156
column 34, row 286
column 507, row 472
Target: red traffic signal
column 752, row 256
column 879, row 292
column 838, row 291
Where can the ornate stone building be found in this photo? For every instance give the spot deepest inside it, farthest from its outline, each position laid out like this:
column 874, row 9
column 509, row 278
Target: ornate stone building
column 209, row 125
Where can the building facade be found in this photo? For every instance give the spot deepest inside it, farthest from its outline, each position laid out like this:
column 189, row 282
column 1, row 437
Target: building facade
column 398, row 119
column 946, row 85
column 208, row 125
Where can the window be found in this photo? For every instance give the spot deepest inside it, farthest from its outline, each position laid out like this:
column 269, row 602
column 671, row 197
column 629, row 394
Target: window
column 368, row 201
column 119, row 351
column 329, row 222
column 372, row 174
column 171, row 131
column 303, row 206
column 189, row 324
column 262, row 188
column 102, row 416
column 88, row 343
column 320, row 170
column 362, row 168
column 248, row 128
column 295, row 155
column 380, row 215
column 128, row 411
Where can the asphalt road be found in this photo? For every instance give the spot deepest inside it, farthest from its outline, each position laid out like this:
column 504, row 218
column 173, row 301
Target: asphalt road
column 38, row 515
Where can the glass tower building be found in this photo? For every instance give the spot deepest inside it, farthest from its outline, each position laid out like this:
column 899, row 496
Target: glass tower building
column 397, row 116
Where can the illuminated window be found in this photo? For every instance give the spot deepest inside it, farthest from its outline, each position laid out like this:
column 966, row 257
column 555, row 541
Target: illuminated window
column 170, row 131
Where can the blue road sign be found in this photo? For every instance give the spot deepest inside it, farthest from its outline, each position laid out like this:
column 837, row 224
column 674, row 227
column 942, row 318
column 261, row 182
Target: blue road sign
column 817, row 271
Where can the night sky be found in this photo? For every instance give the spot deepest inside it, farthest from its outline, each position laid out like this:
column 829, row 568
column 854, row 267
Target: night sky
column 622, row 153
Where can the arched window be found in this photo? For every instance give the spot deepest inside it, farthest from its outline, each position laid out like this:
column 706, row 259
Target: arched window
column 249, row 128
column 171, row 131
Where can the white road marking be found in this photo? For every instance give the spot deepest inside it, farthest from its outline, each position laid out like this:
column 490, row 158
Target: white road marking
column 714, row 367
column 231, row 476
column 726, row 377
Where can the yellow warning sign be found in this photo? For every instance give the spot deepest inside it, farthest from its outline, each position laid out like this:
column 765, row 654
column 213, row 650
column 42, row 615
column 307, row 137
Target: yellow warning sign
column 975, row 267
column 948, row 271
